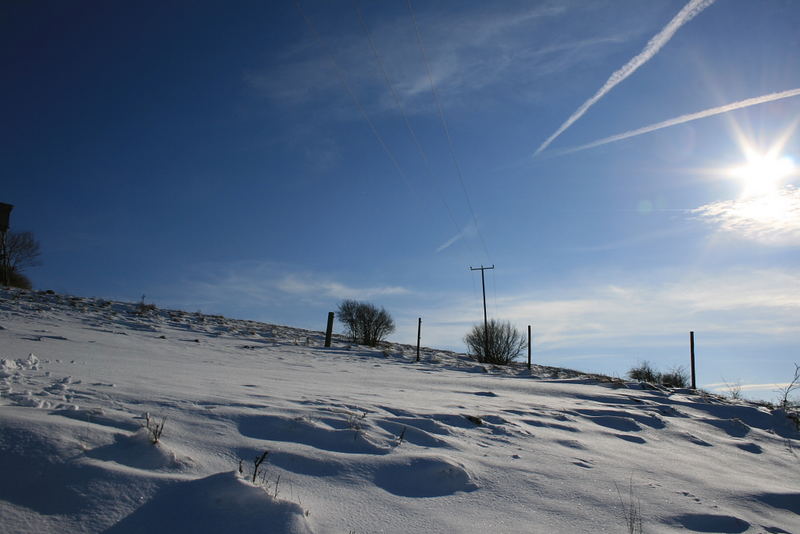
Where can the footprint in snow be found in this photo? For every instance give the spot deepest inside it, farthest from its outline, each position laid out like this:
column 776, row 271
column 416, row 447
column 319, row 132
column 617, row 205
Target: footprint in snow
column 733, row 427
column 632, row 439
column 725, row 524
column 411, row 434
column 697, row 441
column 423, row 477
column 570, row 443
column 751, row 447
column 580, row 462
column 623, row 424
column 301, row 430
column 785, row 501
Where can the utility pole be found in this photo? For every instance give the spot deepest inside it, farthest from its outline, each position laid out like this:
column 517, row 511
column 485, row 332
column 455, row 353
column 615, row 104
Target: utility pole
column 485, row 320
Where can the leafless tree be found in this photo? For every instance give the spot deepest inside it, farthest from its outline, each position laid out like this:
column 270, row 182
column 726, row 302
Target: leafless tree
column 21, row 252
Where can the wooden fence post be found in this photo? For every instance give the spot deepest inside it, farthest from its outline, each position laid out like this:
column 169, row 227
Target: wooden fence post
column 529, row 347
column 329, row 330
column 691, row 344
column 419, row 335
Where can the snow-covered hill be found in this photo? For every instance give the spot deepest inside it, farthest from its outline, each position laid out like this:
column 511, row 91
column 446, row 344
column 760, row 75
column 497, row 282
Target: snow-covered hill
column 360, row 440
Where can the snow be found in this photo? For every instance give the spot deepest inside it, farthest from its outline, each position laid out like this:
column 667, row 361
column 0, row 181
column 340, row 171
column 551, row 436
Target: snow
column 360, row 440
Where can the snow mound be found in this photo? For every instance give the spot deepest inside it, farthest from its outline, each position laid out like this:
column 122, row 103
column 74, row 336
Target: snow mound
column 218, row 503
column 138, row 451
column 423, row 477
column 311, row 433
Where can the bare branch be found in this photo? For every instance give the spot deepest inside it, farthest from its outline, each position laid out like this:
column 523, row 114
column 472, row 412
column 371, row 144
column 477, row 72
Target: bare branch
column 23, row 251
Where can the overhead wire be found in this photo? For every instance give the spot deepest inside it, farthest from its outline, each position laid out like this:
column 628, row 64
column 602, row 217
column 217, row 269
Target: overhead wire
column 399, row 105
column 445, row 127
column 494, row 293
column 343, row 78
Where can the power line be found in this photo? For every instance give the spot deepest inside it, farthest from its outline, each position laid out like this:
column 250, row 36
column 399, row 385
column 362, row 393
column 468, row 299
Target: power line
column 444, row 126
column 401, row 109
column 343, row 78
column 494, row 290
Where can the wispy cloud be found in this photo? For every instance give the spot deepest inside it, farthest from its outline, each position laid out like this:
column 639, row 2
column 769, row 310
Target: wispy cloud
column 471, row 51
column 469, row 231
column 741, row 104
column 266, row 290
column 689, row 11
column 736, row 304
column 312, row 285
column 770, row 219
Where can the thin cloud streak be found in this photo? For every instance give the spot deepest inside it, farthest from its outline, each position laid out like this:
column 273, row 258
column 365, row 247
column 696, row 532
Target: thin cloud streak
column 685, row 118
column 298, row 285
column 736, row 304
column 689, row 11
column 772, row 219
column 723, row 386
column 469, row 231
column 267, row 287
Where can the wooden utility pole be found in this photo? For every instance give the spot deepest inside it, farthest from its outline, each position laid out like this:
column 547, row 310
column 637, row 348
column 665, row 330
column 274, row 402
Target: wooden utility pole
column 485, row 320
column 419, row 335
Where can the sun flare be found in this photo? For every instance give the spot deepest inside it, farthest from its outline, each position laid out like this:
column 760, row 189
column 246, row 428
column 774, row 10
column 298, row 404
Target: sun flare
column 767, row 208
column 763, row 174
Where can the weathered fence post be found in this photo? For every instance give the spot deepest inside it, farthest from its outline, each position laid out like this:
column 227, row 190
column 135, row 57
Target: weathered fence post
column 691, row 344
column 329, row 330
column 419, row 335
column 529, row 347
column 5, row 264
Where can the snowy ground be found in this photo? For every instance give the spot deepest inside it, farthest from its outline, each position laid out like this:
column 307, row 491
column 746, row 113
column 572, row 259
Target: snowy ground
column 359, row 440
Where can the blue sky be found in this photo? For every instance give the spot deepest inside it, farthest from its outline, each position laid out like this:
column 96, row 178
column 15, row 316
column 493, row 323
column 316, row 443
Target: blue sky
column 265, row 160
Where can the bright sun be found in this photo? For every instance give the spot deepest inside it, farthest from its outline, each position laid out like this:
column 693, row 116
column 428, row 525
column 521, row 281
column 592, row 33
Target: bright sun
column 768, row 207
column 762, row 175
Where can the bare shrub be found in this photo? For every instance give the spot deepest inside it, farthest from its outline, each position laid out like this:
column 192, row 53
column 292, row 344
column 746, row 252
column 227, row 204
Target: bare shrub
column 677, row 377
column 498, row 343
column 645, row 373
column 21, row 251
column 257, row 461
column 260, row 478
column 153, row 428
column 365, row 322
column 786, row 392
column 15, row 279
column 734, row 389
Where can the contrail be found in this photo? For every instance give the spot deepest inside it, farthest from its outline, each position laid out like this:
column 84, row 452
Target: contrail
column 689, row 11
column 686, row 118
